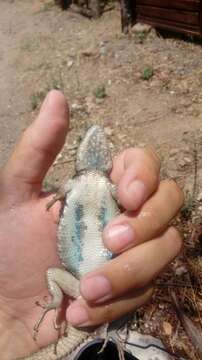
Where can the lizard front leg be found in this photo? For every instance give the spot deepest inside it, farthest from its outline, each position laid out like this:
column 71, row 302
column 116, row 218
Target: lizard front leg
column 59, row 282
column 61, row 193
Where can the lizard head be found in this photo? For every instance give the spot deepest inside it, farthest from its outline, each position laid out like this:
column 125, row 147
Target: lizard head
column 94, row 153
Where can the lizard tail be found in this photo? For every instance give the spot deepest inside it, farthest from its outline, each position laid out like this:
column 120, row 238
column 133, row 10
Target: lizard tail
column 64, row 347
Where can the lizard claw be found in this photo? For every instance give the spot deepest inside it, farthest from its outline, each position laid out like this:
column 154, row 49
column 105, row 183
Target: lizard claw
column 38, row 324
column 40, row 305
column 59, row 196
column 118, row 345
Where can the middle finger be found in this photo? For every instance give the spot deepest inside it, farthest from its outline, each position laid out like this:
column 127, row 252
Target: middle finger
column 133, row 228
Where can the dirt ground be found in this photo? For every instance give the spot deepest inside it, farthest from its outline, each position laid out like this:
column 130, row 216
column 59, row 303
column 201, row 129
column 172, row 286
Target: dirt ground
column 142, row 89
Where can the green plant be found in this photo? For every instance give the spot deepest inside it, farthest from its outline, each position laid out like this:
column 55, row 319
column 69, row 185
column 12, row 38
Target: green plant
column 141, row 36
column 100, row 92
column 46, row 7
column 36, row 99
column 147, row 73
column 38, row 96
column 41, row 66
column 57, row 84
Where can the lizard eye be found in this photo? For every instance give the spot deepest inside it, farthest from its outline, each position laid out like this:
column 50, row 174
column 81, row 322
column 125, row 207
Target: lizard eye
column 91, row 350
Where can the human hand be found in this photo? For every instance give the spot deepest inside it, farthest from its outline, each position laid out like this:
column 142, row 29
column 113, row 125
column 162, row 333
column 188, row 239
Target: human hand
column 28, row 235
column 141, row 235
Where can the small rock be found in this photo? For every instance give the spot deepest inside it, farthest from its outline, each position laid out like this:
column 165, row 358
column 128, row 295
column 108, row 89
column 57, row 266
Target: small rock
column 121, row 137
column 103, row 50
column 187, row 160
column 108, row 131
column 167, row 327
column 199, row 197
column 75, row 106
column 99, row 101
column 89, row 103
column 70, row 63
column 87, row 53
column 140, row 27
column 182, row 163
column 174, row 151
column 180, row 70
column 79, row 109
column 186, row 149
column 181, row 270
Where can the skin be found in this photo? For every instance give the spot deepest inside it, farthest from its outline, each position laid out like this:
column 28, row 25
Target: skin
column 28, row 235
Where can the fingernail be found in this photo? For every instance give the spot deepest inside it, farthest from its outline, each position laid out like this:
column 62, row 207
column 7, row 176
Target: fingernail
column 94, row 288
column 137, row 191
column 77, row 315
column 119, row 237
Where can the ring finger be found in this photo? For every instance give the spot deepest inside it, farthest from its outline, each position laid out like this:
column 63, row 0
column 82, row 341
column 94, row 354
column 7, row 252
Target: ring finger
column 133, row 270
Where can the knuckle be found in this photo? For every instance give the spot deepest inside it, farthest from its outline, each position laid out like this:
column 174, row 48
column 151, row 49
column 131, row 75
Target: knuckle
column 148, row 153
column 176, row 238
column 132, row 153
column 148, row 293
column 154, row 178
column 175, row 191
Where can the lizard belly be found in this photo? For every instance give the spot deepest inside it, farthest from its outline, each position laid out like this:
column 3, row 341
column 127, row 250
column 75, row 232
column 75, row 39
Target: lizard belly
column 87, row 210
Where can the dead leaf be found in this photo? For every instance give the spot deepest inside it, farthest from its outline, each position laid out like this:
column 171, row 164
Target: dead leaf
column 167, row 328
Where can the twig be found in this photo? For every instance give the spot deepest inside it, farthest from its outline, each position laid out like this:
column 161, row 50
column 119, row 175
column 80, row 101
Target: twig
column 194, row 334
column 195, row 174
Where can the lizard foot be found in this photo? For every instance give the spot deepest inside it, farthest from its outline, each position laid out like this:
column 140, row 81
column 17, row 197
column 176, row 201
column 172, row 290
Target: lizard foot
column 118, row 344
column 58, row 196
column 47, row 308
column 61, row 329
column 41, row 305
column 62, row 324
column 37, row 325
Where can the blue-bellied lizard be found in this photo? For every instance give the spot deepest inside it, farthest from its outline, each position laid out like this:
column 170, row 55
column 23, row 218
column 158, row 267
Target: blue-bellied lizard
column 89, row 205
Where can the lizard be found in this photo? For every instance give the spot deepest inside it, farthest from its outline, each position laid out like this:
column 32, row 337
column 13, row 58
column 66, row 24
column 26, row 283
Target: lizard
column 89, row 204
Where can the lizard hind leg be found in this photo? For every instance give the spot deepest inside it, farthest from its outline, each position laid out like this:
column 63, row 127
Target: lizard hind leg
column 59, row 282
column 57, row 297
column 61, row 328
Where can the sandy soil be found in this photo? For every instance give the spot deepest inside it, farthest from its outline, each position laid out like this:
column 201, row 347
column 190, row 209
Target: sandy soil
column 101, row 71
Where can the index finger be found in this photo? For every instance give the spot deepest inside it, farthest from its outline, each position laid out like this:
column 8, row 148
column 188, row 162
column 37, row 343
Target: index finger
column 136, row 174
